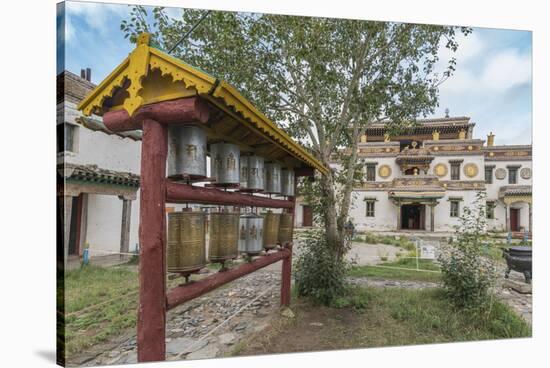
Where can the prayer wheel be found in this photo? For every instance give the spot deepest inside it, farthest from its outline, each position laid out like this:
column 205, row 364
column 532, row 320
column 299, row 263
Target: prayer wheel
column 186, row 153
column 285, row 228
column 272, row 178
column 271, row 229
column 243, row 176
column 186, row 242
column 251, row 234
column 224, row 164
column 224, row 236
column 287, row 182
column 252, row 173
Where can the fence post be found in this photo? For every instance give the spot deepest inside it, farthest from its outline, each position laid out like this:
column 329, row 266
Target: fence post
column 285, row 278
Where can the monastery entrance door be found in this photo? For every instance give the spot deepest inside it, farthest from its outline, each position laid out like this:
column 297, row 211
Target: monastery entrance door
column 514, row 219
column 413, row 216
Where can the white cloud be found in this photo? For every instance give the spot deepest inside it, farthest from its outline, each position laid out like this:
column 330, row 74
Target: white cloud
column 468, row 47
column 174, row 12
column 497, row 74
column 96, row 15
column 506, row 70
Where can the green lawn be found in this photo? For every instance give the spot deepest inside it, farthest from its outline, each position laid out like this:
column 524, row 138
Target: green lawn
column 402, row 269
column 371, row 317
column 99, row 303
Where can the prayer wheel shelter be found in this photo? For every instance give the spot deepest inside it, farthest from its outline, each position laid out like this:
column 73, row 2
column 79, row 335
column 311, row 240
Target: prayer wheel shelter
column 151, row 91
column 148, row 76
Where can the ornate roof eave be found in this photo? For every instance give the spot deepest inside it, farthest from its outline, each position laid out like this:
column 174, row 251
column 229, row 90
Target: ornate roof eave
column 95, row 174
column 519, row 190
column 144, row 59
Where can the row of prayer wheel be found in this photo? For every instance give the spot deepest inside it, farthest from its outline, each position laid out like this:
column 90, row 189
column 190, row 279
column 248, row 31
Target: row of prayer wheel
column 228, row 168
column 230, row 234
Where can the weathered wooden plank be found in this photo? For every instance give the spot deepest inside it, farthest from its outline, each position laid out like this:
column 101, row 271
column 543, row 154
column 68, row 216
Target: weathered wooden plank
column 183, row 110
column 182, row 193
column 193, row 290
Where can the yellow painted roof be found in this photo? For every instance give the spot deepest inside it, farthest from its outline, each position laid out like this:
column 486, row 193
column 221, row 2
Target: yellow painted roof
column 131, row 73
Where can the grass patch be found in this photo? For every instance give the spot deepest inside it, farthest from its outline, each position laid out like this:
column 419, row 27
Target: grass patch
column 398, row 241
column 405, row 269
column 383, row 317
column 115, row 288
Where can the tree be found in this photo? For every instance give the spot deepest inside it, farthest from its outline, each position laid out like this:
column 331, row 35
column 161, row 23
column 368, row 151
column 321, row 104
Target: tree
column 324, row 80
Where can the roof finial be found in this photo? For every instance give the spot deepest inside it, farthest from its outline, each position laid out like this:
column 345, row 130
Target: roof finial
column 144, row 39
column 447, row 112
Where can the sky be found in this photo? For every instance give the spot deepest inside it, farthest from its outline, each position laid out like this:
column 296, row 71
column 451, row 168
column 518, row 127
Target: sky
column 491, row 85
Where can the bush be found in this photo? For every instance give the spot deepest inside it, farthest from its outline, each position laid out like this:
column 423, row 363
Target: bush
column 468, row 274
column 319, row 273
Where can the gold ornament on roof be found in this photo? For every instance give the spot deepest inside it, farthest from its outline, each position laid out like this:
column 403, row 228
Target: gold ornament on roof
column 435, row 135
column 462, row 134
column 386, row 137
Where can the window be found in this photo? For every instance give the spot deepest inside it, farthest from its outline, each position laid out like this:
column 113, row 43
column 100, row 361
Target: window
column 512, row 175
column 455, row 208
column 490, row 209
column 370, row 209
column 489, row 174
column 66, row 137
column 455, row 170
column 371, row 172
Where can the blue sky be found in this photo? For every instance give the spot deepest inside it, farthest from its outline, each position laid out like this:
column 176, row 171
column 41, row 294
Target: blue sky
column 492, row 84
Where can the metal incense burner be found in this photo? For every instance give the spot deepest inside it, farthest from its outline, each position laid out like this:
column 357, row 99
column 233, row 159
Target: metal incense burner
column 186, row 242
column 271, row 229
column 519, row 259
column 186, row 153
column 224, row 164
column 285, row 228
column 287, row 182
column 251, row 234
column 224, row 236
column 272, row 178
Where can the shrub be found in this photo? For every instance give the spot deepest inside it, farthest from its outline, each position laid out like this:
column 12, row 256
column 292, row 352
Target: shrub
column 468, row 275
column 319, row 273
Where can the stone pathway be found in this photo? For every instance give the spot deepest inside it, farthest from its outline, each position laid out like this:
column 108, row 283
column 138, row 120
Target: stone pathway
column 382, row 283
column 210, row 326
column 521, row 303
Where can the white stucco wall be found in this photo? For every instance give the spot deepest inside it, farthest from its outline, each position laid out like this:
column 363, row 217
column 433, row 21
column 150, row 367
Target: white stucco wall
column 443, row 220
column 384, row 210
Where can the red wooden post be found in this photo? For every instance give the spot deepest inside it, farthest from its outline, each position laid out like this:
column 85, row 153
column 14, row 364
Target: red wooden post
column 152, row 239
column 285, row 278
column 286, row 273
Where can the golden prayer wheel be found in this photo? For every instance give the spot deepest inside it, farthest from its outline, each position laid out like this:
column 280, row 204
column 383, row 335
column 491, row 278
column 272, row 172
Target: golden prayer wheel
column 285, row 228
column 224, row 236
column 186, row 242
column 271, row 229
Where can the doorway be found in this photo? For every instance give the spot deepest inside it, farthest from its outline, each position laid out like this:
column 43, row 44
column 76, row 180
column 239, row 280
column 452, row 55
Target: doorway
column 412, row 216
column 307, row 216
column 514, row 219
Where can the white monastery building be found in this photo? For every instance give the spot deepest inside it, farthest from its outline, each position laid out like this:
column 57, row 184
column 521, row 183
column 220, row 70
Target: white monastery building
column 422, row 179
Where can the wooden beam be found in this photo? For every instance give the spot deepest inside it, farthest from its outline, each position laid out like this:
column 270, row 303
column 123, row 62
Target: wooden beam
column 193, row 290
column 184, row 193
column 183, row 110
column 151, row 322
